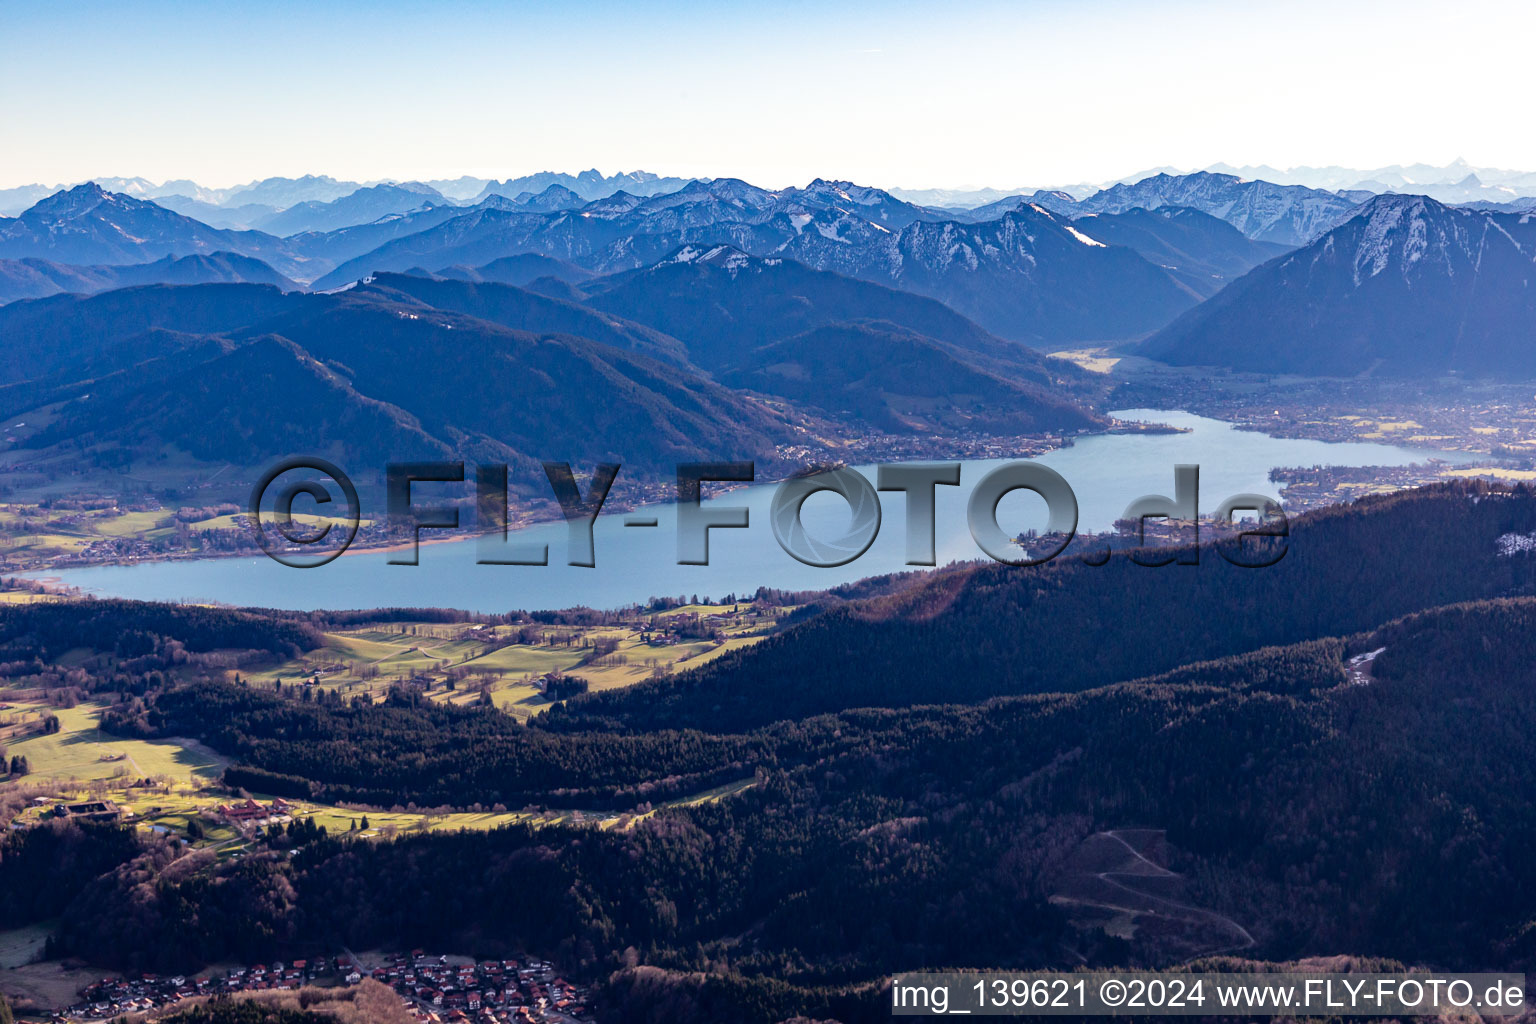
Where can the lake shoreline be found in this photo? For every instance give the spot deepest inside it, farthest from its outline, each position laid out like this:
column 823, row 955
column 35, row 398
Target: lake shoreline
column 1106, row 471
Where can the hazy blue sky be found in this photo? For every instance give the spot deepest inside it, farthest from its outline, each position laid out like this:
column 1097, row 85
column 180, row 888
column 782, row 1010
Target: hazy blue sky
column 888, row 93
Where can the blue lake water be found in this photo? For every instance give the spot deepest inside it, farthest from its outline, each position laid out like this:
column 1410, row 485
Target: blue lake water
column 1106, row 473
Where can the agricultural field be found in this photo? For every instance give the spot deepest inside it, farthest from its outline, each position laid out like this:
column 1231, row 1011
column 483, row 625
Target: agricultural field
column 1094, row 360
column 23, row 945
column 29, row 533
column 1495, row 472
column 169, row 808
column 46, row 983
column 25, row 596
column 165, row 785
column 79, row 751
column 465, row 663
column 85, row 523
column 36, row 536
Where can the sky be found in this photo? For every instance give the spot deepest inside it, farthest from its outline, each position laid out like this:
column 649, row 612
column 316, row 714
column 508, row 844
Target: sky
column 1024, row 93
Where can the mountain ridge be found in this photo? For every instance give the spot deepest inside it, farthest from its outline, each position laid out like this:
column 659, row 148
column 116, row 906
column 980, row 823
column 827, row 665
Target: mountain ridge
column 89, row 226
column 34, row 278
column 1408, row 286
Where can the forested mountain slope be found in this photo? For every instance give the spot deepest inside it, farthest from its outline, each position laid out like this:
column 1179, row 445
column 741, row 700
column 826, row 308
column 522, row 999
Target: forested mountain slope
column 1000, row 629
column 1297, row 809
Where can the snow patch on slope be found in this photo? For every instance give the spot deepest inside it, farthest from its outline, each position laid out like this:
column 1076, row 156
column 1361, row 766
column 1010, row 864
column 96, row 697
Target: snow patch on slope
column 1084, row 238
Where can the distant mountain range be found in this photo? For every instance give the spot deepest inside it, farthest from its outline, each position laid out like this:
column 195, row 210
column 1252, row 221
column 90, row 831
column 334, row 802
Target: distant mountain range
column 900, row 362
column 360, row 207
column 234, row 218
column 363, row 206
column 1407, row 286
column 277, row 193
column 722, row 303
column 1048, row 270
column 516, row 270
column 87, row 226
column 243, row 373
column 957, row 200
column 1456, row 182
column 1201, row 251
column 1265, row 212
column 274, row 195
column 588, row 185
column 35, row 278
column 1027, row 275
column 514, row 307
column 1021, row 270
column 642, row 368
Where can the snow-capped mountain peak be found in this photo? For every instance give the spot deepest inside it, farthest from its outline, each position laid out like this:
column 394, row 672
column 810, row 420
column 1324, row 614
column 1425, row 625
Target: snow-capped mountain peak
column 1407, row 285
column 69, row 203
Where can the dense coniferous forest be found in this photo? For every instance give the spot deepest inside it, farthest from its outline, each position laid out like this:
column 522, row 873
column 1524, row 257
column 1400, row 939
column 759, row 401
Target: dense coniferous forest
column 412, row 750
column 1319, row 813
column 43, row 867
column 47, row 630
column 1065, row 626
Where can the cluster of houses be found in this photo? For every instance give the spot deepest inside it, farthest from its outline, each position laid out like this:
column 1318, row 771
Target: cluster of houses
column 435, row 991
column 122, row 549
column 114, row 997
column 487, row 992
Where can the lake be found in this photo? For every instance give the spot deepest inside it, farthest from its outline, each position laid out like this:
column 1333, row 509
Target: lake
column 1106, row 472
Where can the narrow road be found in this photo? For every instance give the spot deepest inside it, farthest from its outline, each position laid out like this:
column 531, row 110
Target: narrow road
column 1159, row 870
column 1176, row 910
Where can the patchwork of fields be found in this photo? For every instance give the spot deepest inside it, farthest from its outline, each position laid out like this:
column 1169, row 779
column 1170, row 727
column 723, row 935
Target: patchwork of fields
column 458, row 662
column 166, row 785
